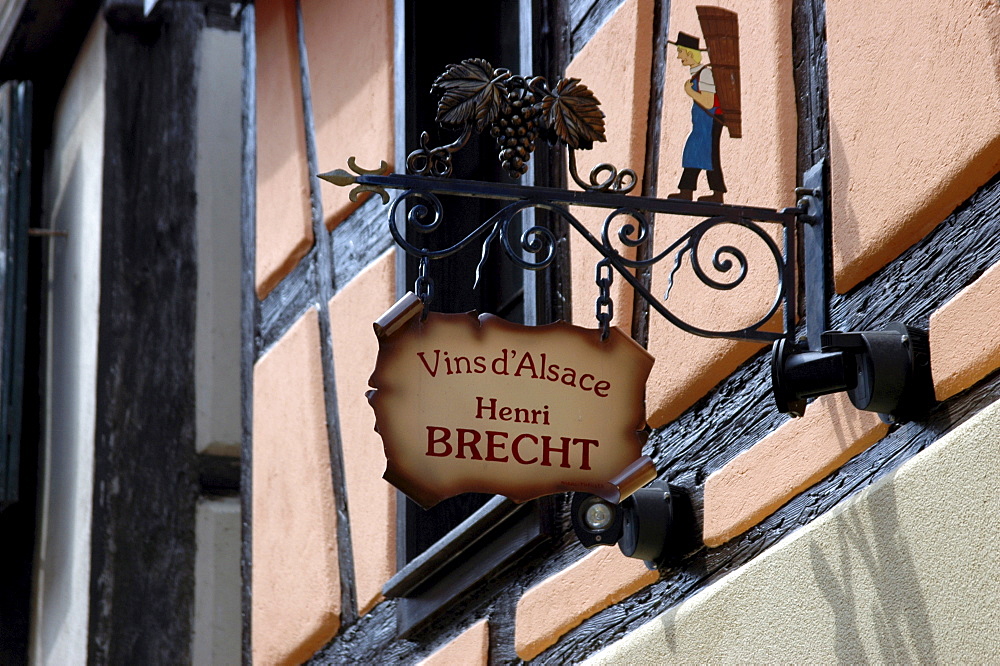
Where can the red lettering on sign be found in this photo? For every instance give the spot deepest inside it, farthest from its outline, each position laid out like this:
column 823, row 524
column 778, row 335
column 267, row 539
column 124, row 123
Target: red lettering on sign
column 492, row 409
column 440, row 445
column 492, row 443
column 458, row 365
column 493, row 412
column 547, row 448
column 516, row 452
column 464, row 443
column 501, row 362
column 553, row 373
column 437, row 358
column 585, row 463
column 443, row 439
column 527, row 367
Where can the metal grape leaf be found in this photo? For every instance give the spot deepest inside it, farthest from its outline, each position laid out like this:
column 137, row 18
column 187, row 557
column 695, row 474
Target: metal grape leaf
column 573, row 113
column 472, row 92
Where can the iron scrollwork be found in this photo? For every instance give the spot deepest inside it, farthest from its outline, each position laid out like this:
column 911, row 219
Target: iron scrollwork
column 517, row 112
column 424, row 214
column 621, row 181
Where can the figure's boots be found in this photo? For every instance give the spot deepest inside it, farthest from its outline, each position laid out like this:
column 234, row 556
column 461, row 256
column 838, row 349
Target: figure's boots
column 715, row 197
column 686, row 195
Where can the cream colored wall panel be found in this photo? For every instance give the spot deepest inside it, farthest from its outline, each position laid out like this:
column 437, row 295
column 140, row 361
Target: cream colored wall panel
column 905, row 571
column 72, row 204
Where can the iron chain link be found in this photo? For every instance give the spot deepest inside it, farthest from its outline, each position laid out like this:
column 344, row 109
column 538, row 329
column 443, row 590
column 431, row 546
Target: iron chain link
column 605, row 306
column 424, row 286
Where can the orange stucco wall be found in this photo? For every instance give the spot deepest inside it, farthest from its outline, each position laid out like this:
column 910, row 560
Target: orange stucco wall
column 906, row 145
column 902, row 158
column 615, row 64
column 371, row 501
column 296, row 577
column 350, row 70
column 284, row 219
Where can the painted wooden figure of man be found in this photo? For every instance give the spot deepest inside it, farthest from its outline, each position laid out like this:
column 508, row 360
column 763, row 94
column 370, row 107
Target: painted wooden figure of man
column 701, row 151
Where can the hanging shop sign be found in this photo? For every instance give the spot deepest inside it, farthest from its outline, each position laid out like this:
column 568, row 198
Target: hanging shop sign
column 468, row 403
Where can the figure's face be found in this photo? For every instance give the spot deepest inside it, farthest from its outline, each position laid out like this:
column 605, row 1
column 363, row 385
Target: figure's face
column 685, row 56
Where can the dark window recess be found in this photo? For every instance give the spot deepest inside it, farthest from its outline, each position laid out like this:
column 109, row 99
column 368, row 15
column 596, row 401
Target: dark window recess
column 15, row 191
column 450, row 33
column 19, row 363
column 444, row 552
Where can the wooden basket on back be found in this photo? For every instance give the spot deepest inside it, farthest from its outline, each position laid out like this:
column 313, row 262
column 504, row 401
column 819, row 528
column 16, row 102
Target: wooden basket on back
column 722, row 39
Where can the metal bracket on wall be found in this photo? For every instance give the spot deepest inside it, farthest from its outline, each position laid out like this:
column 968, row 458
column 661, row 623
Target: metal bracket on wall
column 626, row 225
column 815, row 257
column 885, row 371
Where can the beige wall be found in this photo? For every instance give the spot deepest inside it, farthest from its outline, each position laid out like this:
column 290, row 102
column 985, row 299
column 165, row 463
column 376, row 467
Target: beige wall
column 905, row 571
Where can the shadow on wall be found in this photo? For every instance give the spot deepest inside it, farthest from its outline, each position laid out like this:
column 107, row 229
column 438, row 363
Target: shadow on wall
column 70, row 443
column 847, row 222
column 863, row 581
column 873, row 590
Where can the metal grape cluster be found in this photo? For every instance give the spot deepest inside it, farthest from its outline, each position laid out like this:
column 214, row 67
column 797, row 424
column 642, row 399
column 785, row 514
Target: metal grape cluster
column 515, row 130
column 515, row 110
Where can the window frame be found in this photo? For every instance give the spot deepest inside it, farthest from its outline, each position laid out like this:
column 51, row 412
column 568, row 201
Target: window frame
column 492, row 538
column 15, row 141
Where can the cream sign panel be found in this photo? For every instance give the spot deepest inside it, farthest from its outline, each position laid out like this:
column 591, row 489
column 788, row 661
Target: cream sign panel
column 477, row 404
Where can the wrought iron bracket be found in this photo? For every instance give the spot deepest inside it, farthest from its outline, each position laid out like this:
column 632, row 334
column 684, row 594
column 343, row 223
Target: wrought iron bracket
column 885, row 371
column 518, row 111
column 628, row 224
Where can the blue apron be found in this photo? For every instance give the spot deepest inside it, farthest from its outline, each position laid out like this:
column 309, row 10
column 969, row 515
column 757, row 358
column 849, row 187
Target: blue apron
column 698, row 149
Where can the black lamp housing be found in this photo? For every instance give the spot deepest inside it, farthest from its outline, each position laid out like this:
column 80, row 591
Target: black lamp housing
column 655, row 524
column 886, row 371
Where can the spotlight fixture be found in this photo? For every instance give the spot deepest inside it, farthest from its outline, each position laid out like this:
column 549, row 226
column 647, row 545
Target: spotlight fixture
column 885, row 371
column 655, row 524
